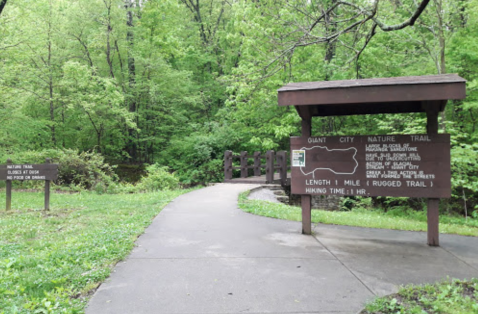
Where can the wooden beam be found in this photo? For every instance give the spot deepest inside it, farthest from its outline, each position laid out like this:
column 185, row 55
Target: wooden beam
column 433, row 222
column 47, row 190
column 433, row 204
column 306, row 127
column 306, row 201
column 9, row 190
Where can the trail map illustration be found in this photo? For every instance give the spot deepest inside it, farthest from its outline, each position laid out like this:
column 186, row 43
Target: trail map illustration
column 338, row 161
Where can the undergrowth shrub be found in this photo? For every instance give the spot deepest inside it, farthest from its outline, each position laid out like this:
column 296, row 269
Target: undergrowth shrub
column 158, row 178
column 199, row 158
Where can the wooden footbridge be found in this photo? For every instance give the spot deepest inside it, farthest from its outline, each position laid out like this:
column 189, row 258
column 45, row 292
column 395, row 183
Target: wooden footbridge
column 268, row 168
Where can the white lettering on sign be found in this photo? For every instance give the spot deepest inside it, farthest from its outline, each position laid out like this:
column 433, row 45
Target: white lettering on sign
column 375, row 139
column 391, row 184
column 337, row 190
column 420, row 138
column 317, row 140
column 416, row 184
column 38, row 178
column 374, row 165
column 352, row 182
column 346, row 139
column 27, row 166
column 317, row 182
column 316, row 191
column 373, row 174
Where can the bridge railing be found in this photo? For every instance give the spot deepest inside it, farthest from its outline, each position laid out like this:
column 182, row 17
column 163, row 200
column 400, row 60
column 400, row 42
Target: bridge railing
column 273, row 161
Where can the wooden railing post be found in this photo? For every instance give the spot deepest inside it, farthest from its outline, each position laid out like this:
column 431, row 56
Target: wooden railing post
column 270, row 166
column 282, row 163
column 257, row 164
column 227, row 165
column 244, row 164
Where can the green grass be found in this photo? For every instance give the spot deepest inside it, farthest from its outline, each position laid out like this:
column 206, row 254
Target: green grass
column 397, row 218
column 50, row 262
column 457, row 297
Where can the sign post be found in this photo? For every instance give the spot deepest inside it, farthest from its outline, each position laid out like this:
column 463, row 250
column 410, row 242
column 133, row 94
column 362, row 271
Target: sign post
column 46, row 172
column 433, row 203
column 9, row 189
column 47, row 189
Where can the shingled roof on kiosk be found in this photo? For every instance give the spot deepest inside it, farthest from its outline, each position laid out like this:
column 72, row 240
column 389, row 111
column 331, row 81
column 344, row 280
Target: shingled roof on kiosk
column 371, row 96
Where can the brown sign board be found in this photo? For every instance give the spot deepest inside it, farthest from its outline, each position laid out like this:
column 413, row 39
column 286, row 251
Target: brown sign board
column 29, row 172
column 381, row 165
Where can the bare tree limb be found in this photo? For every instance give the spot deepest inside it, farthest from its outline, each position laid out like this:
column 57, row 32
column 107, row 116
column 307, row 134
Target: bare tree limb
column 409, row 22
column 3, row 3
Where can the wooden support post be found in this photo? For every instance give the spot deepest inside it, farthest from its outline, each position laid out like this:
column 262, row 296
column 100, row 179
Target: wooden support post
column 47, row 190
column 433, row 203
column 9, row 190
column 305, row 201
column 270, row 166
column 227, row 165
column 244, row 164
column 257, row 164
column 306, row 127
column 282, row 161
column 433, row 221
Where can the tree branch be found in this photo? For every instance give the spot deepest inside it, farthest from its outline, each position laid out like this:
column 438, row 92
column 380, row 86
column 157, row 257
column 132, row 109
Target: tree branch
column 409, row 22
column 3, row 3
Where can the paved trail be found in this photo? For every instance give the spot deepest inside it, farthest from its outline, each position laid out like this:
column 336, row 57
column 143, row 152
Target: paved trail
column 203, row 255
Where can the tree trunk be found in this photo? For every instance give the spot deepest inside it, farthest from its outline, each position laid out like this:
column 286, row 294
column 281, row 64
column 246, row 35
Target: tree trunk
column 132, row 106
column 50, row 82
column 330, row 46
column 109, row 29
column 442, row 45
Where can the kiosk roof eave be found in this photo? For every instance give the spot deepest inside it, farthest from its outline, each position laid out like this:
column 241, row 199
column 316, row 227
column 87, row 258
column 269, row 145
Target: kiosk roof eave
column 372, row 96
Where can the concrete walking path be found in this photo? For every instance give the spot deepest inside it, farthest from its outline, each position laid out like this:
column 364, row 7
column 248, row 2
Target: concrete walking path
column 202, row 254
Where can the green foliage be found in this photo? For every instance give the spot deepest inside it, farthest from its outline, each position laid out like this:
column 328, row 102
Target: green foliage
column 198, row 158
column 455, row 296
column 158, row 178
column 51, row 261
column 362, row 215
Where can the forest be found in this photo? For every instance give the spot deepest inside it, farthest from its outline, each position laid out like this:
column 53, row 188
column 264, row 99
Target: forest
column 175, row 83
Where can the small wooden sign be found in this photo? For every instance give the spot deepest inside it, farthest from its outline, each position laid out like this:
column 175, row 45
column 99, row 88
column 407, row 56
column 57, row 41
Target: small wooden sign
column 29, row 172
column 45, row 172
column 382, row 165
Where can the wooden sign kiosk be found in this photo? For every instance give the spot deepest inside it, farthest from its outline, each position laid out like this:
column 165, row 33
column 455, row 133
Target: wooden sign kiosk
column 373, row 165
